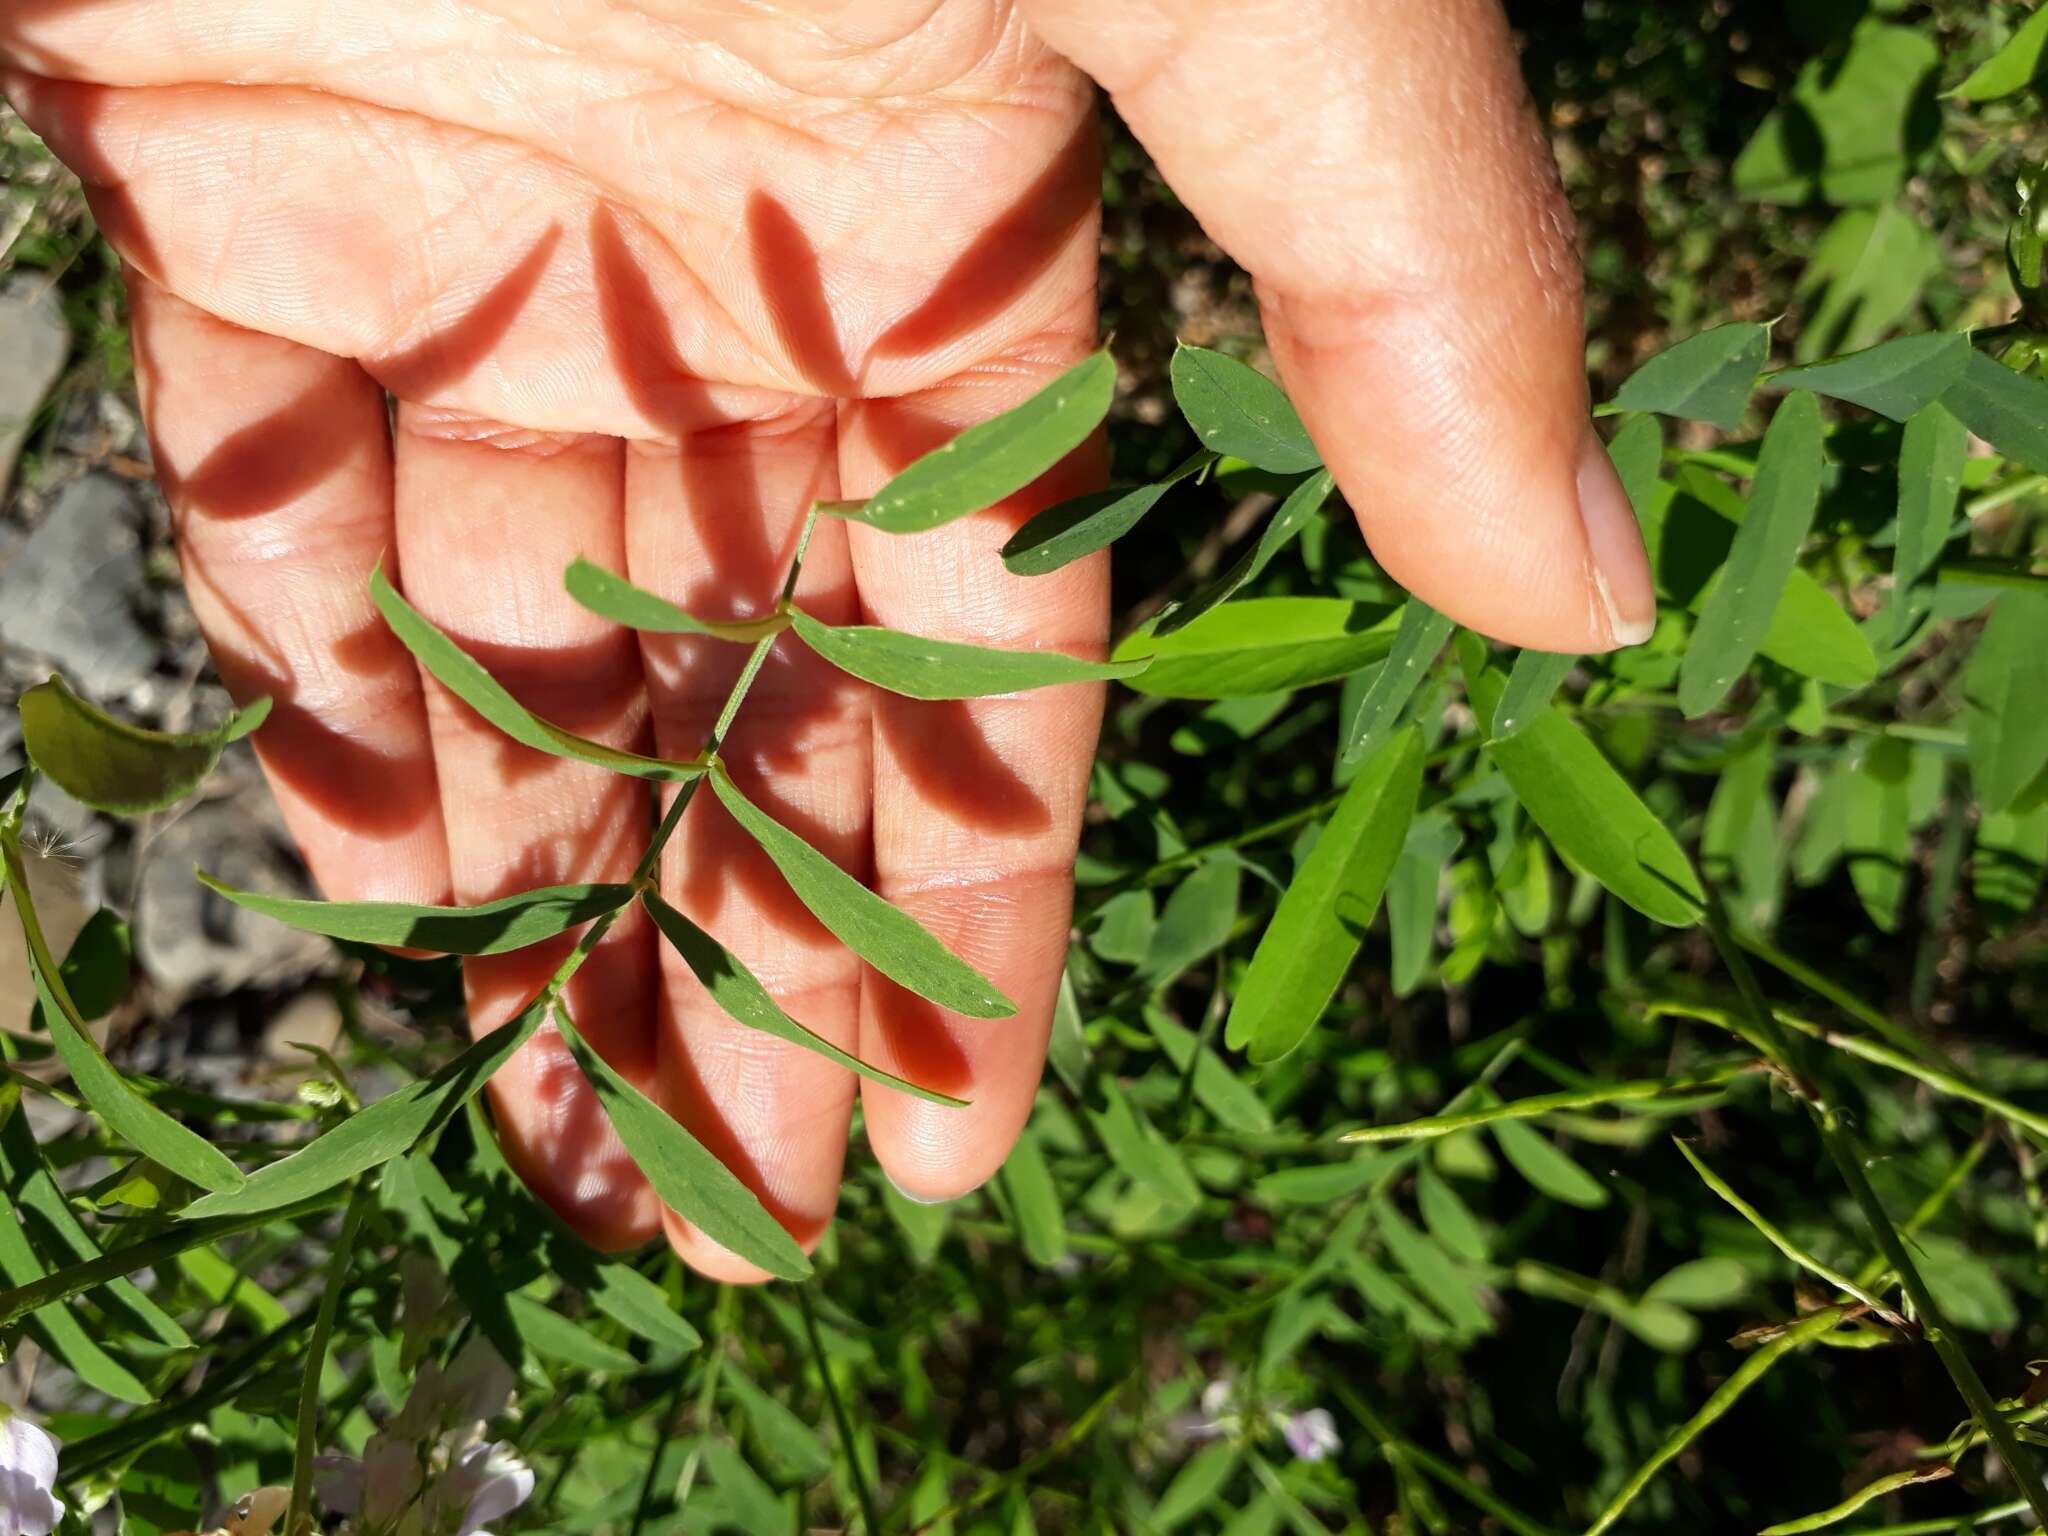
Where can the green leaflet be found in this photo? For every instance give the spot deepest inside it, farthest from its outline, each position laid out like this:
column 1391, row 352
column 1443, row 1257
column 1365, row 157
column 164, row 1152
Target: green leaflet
column 2013, row 68
column 639, row 1306
column 995, row 459
column 1080, row 525
column 1532, row 682
column 787, row 1438
column 2007, row 409
column 1932, row 452
column 889, row 940
column 1222, row 1092
column 32, row 1193
column 1742, row 601
column 378, row 1132
column 490, row 928
column 1200, row 1479
column 1877, row 830
column 1260, row 645
column 2009, row 861
column 1418, row 636
column 687, row 1177
column 1295, row 513
column 1449, row 1287
column 461, row 675
column 1197, row 919
column 734, row 988
column 1140, row 1152
column 750, row 1503
column 1238, row 411
column 1449, row 1220
column 1849, row 133
column 615, row 598
column 919, row 668
column 1321, row 921
column 2003, row 715
column 1034, row 1202
column 1701, row 1284
column 1707, row 377
column 59, row 1328
column 1863, row 277
column 1552, row 1171
column 1320, row 1183
column 1411, row 897
column 1589, row 812
column 113, row 766
column 1897, row 378
column 127, row 1113
column 1689, row 531
column 1740, row 845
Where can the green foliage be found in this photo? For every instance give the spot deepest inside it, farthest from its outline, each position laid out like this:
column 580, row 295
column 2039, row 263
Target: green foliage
column 1591, row 1150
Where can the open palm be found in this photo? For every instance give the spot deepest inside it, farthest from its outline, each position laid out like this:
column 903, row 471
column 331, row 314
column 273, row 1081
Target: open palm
column 648, row 279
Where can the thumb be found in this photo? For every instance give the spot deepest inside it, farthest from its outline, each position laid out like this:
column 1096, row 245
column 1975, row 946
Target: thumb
column 1378, row 169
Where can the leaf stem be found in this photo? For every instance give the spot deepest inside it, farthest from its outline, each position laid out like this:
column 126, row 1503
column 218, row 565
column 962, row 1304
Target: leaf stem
column 1432, row 1126
column 299, row 1517
column 840, row 1419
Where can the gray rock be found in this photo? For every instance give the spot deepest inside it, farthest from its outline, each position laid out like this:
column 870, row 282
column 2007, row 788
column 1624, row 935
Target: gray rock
column 188, row 939
column 68, row 594
column 34, row 341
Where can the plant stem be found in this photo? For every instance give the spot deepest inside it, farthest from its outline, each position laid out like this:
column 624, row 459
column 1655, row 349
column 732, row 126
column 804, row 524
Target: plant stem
column 840, row 1419
column 1847, row 1156
column 1549, row 1103
column 299, row 1518
column 24, row 1299
column 664, row 1428
column 707, row 1390
column 1723, row 1398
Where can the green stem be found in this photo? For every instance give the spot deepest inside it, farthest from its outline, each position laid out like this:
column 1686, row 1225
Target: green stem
column 299, row 1518
column 707, row 1390
column 150, row 1252
column 663, row 1430
column 1723, row 1398
column 840, row 1419
column 1394, row 1445
column 1847, row 1157
column 1550, row 1103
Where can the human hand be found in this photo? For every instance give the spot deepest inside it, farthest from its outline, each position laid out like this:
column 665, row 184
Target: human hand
column 646, row 281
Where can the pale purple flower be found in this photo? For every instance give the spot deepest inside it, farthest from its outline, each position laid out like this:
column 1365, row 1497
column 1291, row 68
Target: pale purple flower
column 1311, row 1435
column 488, row 1482
column 28, row 1474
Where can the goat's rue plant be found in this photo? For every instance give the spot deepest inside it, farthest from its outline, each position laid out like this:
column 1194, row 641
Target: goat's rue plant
column 1490, row 804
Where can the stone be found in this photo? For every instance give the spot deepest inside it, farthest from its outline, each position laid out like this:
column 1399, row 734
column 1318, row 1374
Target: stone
column 69, row 593
column 312, row 1020
column 189, row 940
column 34, row 341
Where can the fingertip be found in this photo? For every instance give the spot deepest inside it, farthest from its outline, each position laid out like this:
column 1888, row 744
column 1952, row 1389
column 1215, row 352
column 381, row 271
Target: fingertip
column 1617, row 561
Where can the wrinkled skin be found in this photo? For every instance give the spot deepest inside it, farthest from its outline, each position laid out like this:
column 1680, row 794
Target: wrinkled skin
column 645, row 279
